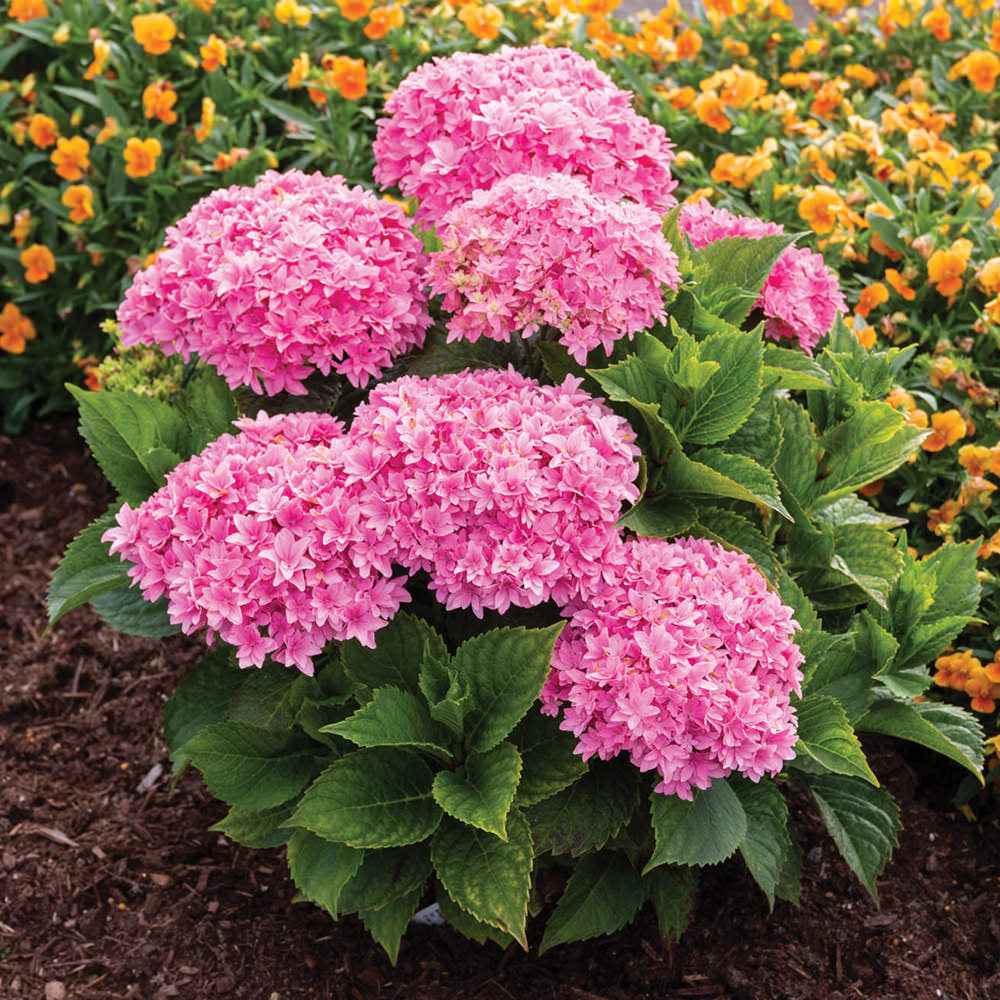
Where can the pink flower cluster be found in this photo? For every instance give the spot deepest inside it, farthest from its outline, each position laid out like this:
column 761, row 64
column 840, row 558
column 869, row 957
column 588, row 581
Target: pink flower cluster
column 271, row 282
column 260, row 539
column 457, row 125
column 545, row 251
column 683, row 659
column 505, row 491
column 801, row 297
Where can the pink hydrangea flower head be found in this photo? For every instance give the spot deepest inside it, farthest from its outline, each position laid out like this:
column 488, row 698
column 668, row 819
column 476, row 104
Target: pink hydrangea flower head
column 458, row 124
column 259, row 540
column 504, row 490
column 268, row 283
column 682, row 659
column 801, row 298
column 535, row 252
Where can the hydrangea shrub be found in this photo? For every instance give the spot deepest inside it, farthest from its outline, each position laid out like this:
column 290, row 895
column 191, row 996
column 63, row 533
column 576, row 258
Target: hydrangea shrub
column 644, row 597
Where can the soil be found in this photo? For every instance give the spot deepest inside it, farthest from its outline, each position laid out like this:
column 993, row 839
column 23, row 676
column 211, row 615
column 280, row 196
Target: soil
column 112, row 887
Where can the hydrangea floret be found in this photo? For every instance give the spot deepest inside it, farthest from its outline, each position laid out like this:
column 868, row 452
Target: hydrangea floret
column 457, row 125
column 534, row 252
column 504, row 490
column 801, row 297
column 683, row 658
column 269, row 283
column 258, row 539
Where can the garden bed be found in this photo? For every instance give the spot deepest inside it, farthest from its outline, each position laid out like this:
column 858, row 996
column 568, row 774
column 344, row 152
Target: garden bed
column 114, row 888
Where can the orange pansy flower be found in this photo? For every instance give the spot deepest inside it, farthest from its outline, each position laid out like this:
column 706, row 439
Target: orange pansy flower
column 15, row 329
column 140, row 156
column 71, row 157
column 899, row 284
column 154, row 32
column 79, row 199
column 871, row 296
column 43, row 131
column 158, row 100
column 947, row 428
column 484, row 22
column 382, row 20
column 38, row 263
column 213, row 54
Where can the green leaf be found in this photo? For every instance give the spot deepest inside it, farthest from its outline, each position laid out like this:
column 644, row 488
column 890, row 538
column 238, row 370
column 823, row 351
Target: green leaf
column 924, row 643
column 585, row 816
column 602, row 895
column 826, row 736
column 760, row 436
column 251, row 768
column 720, row 401
column 789, row 885
column 946, row 729
column 207, row 406
column 320, row 869
column 199, row 700
column 785, row 368
column 632, row 380
column 704, row 831
column 853, row 510
column 86, row 570
column 126, row 610
column 548, row 761
column 371, row 798
column 269, row 697
column 713, row 472
column 386, row 876
column 797, row 462
column 672, row 890
column 956, row 591
column 871, row 443
column 766, row 842
column 735, row 532
column 482, row 791
column 397, row 657
column 388, row 924
column 256, row 829
column 466, row 924
column 837, row 673
column 868, row 556
column 394, row 718
column 488, row 877
column 504, row 670
column 131, row 436
column 863, row 821
column 663, row 517
column 438, row 357
column 445, row 691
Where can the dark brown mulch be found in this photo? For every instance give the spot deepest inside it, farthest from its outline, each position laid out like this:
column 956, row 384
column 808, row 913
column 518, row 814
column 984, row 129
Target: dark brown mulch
column 112, row 887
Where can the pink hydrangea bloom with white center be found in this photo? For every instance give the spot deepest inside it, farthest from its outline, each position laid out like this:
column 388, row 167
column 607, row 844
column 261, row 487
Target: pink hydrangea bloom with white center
column 459, row 124
column 546, row 251
column 268, row 283
column 505, row 491
column 683, row 659
column 259, row 539
column 801, row 297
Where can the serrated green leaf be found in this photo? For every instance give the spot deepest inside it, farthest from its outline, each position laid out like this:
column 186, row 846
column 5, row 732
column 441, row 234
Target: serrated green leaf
column 713, row 472
column 585, row 816
column 548, row 761
column 439, row 357
column 631, row 380
column 703, row 831
column 85, row 570
column 868, row 556
column 377, row 797
column 207, row 406
column 504, row 670
column 602, row 895
column 663, row 517
column 870, row 444
column 321, row 869
column 672, row 890
column 836, row 672
column 256, row 829
column 863, row 821
column 853, row 510
column 826, row 736
column 765, row 845
column 445, row 691
column 394, row 718
column 789, row 884
column 482, row 791
column 488, row 877
column 924, row 643
column 785, row 368
column 798, row 459
column 200, row 699
column 388, row 924
column 761, row 435
column 725, row 391
column 269, row 697
column 126, row 610
column 386, row 876
column 251, row 768
column 956, row 590
column 466, row 924
column 946, row 729
column 397, row 656
column 123, row 429
column 734, row 531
